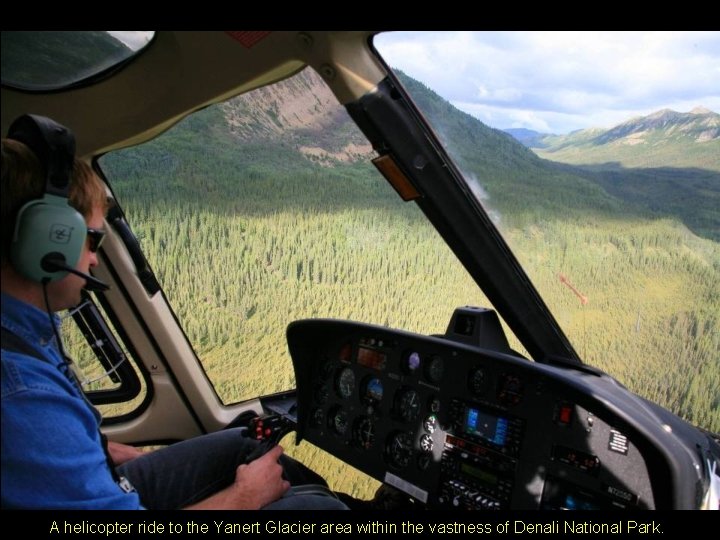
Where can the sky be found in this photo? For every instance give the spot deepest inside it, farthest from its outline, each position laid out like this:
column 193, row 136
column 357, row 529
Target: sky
column 557, row 82
column 134, row 40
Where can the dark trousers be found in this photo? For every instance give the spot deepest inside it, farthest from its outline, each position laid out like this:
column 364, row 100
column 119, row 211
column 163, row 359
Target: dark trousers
column 189, row 471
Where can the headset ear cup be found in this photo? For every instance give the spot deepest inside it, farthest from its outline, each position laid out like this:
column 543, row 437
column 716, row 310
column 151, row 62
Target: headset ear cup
column 44, row 226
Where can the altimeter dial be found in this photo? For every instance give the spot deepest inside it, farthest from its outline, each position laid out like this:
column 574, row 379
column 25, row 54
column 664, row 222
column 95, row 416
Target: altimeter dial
column 399, row 450
column 407, row 404
column 345, row 383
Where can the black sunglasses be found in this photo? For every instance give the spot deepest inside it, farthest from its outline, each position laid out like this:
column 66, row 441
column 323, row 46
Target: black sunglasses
column 95, row 239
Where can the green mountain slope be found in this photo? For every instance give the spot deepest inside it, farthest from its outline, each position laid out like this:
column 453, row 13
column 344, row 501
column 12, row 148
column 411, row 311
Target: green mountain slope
column 663, row 139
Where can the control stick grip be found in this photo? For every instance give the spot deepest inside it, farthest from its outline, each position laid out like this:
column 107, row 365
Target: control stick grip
column 268, row 429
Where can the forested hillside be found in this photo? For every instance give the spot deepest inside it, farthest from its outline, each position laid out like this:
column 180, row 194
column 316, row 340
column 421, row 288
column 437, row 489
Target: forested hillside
column 265, row 209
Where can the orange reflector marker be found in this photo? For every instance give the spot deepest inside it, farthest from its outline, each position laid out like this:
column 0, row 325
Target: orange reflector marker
column 392, row 173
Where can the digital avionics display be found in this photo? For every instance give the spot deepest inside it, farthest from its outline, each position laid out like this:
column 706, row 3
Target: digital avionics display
column 487, row 478
column 371, row 358
column 489, row 427
column 576, row 502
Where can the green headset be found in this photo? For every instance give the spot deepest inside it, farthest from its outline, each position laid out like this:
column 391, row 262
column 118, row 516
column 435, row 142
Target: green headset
column 49, row 234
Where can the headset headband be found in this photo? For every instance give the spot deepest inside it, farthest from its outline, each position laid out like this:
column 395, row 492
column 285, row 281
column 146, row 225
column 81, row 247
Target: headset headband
column 54, row 146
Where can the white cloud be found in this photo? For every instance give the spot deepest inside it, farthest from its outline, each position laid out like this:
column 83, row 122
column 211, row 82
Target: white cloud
column 562, row 80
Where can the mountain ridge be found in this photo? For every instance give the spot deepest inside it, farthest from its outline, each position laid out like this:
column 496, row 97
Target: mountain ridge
column 702, row 126
column 665, row 138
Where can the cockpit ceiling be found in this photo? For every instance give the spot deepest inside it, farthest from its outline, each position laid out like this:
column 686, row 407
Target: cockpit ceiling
column 181, row 72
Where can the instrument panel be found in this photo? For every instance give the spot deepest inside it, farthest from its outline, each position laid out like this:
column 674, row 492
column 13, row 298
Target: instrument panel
column 456, row 426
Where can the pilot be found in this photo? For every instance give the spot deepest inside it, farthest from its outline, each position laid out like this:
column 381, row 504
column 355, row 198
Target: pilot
column 53, row 453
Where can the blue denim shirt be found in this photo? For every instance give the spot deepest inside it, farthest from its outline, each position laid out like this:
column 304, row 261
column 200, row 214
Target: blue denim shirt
column 52, row 455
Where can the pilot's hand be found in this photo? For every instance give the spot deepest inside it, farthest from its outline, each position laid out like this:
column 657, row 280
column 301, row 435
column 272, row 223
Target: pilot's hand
column 256, row 484
column 122, row 453
column 261, row 480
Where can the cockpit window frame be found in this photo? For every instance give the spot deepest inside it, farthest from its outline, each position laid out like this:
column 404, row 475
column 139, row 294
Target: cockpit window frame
column 383, row 115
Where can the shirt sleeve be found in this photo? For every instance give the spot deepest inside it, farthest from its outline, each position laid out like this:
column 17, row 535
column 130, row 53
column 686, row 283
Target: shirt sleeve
column 52, row 456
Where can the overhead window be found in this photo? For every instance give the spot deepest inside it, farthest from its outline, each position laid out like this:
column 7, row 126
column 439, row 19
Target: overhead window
column 44, row 61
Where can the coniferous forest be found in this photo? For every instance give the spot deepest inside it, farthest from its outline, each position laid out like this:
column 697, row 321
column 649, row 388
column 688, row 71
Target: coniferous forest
column 247, row 234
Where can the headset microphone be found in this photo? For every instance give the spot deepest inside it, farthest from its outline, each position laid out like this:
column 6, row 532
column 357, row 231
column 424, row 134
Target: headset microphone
column 53, row 262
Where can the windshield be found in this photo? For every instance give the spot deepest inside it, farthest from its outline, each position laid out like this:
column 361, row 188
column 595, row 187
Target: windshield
column 601, row 168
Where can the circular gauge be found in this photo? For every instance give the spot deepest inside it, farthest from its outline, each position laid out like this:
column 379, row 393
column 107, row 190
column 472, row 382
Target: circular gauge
column 338, row 420
column 424, row 460
column 322, row 393
column 430, row 424
column 345, row 383
column 434, row 369
column 364, row 432
column 434, row 405
column 478, row 381
column 317, row 417
column 373, row 391
column 510, row 389
column 407, row 404
column 399, row 450
column 411, row 362
column 426, row 443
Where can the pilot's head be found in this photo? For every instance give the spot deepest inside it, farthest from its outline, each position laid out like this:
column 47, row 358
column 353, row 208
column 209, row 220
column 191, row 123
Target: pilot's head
column 35, row 224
